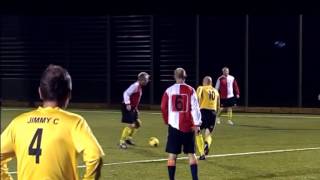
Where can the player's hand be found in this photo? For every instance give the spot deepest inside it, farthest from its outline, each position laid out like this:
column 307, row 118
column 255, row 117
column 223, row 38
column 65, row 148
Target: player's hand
column 238, row 96
column 196, row 129
column 128, row 106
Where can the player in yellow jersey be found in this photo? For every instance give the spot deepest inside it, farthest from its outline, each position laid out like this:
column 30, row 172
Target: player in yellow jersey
column 46, row 141
column 209, row 101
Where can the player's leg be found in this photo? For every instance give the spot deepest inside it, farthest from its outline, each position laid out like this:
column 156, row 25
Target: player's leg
column 134, row 128
column 132, row 131
column 173, row 148
column 172, row 158
column 129, row 139
column 229, row 114
column 189, row 148
column 200, row 145
column 127, row 119
column 219, row 115
column 124, row 135
column 231, row 103
column 208, row 131
column 199, row 137
column 222, row 102
column 208, row 141
column 193, row 166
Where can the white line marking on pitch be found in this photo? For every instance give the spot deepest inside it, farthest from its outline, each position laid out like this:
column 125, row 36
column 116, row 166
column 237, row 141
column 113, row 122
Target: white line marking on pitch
column 209, row 156
column 156, row 113
column 269, row 116
column 278, row 116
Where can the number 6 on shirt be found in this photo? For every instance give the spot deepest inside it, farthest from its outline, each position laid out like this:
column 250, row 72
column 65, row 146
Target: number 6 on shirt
column 179, row 103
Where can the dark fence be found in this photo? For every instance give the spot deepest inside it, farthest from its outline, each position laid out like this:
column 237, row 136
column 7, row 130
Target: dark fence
column 275, row 59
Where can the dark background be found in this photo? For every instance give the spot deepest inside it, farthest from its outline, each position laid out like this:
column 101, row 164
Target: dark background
column 104, row 54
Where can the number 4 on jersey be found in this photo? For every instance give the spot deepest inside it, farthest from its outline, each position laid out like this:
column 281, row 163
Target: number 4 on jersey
column 36, row 151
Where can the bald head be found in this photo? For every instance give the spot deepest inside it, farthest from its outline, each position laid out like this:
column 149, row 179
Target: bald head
column 207, row 81
column 180, row 75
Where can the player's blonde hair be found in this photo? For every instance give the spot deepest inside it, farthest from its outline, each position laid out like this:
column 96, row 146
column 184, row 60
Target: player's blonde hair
column 180, row 73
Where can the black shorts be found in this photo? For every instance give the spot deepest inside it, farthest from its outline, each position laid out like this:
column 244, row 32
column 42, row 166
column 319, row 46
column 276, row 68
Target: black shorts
column 178, row 139
column 129, row 117
column 208, row 118
column 230, row 102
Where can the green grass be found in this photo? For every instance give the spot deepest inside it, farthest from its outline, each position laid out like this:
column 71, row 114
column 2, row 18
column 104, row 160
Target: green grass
column 251, row 133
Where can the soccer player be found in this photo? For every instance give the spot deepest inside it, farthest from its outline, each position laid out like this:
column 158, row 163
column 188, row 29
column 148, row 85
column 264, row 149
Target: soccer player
column 46, row 141
column 229, row 93
column 209, row 101
column 180, row 110
column 129, row 109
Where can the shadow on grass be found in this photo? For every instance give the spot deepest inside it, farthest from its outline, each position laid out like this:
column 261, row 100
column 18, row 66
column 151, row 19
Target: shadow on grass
column 147, row 151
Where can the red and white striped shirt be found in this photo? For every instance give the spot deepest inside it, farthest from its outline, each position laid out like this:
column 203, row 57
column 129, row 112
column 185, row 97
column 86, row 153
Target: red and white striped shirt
column 132, row 95
column 227, row 86
column 180, row 108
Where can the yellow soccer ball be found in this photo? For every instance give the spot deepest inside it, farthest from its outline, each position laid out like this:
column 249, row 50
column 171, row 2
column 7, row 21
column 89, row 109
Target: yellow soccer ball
column 154, row 142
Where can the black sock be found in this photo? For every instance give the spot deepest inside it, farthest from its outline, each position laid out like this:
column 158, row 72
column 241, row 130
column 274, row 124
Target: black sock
column 194, row 171
column 171, row 171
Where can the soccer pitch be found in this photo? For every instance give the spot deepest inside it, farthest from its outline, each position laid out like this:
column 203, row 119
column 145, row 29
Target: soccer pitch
column 258, row 146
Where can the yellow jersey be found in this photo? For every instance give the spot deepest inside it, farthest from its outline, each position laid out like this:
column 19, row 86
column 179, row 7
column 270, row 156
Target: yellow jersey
column 46, row 143
column 208, row 97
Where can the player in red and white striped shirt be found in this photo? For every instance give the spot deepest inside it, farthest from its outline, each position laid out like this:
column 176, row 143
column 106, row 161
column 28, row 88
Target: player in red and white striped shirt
column 129, row 109
column 180, row 110
column 229, row 93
